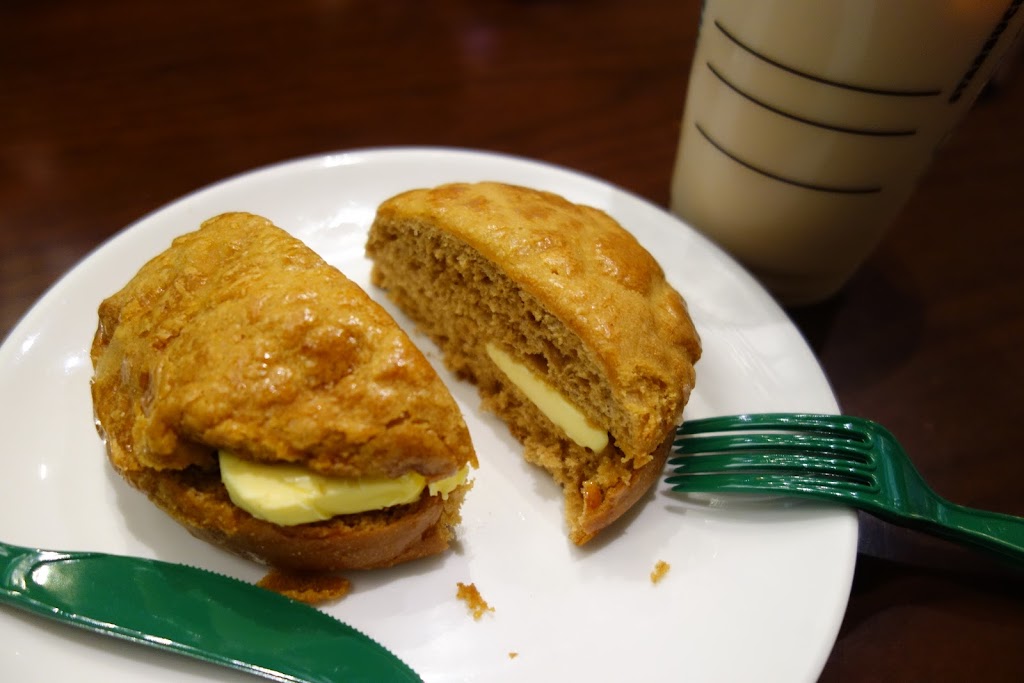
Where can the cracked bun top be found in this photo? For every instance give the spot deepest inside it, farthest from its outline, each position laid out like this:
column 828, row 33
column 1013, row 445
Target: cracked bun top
column 240, row 337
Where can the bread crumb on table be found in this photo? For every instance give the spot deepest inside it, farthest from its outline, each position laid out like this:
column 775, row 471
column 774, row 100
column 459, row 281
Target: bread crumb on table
column 469, row 594
column 513, row 655
column 660, row 569
column 310, row 588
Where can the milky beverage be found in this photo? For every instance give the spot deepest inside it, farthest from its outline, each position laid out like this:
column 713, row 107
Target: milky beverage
column 808, row 123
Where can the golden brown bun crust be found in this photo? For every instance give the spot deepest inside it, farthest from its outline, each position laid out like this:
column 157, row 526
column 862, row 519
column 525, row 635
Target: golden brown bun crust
column 565, row 290
column 588, row 272
column 239, row 337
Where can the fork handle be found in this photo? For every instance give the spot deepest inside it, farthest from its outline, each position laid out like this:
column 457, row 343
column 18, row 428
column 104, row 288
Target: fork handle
column 1003, row 534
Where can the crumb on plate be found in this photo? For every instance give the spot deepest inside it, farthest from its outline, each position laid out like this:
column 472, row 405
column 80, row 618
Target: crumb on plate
column 469, row 594
column 660, row 569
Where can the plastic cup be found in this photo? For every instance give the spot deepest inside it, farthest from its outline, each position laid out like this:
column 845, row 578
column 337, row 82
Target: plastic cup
column 809, row 122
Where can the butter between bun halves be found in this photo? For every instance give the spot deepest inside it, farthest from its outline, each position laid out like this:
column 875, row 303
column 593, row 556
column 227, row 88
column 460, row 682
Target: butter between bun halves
column 265, row 402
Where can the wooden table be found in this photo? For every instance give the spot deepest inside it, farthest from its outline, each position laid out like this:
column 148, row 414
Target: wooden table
column 111, row 108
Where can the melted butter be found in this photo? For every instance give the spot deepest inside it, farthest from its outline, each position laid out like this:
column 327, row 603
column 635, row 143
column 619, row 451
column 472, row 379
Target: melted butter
column 549, row 401
column 291, row 494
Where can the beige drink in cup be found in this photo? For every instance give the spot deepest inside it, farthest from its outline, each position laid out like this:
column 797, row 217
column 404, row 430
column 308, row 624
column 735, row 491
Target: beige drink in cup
column 809, row 122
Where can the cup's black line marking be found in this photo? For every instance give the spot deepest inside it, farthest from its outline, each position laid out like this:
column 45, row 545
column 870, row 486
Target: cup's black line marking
column 901, row 132
column 985, row 50
column 836, row 189
column 820, row 79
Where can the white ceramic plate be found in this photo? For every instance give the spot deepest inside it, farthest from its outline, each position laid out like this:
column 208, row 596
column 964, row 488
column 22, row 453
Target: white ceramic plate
column 757, row 588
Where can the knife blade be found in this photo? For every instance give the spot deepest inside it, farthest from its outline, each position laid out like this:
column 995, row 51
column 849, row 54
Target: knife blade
column 193, row 612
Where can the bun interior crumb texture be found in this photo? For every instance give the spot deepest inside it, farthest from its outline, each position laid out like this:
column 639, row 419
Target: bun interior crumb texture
column 240, row 338
column 567, row 293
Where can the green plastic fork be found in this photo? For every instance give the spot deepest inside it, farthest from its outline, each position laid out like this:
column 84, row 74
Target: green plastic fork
column 844, row 459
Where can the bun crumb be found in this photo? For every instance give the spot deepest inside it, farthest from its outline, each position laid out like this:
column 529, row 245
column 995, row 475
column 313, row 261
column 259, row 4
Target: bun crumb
column 308, row 587
column 660, row 569
column 469, row 594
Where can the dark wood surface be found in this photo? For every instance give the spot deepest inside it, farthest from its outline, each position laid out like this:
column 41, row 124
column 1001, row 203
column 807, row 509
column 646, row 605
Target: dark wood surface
column 111, row 108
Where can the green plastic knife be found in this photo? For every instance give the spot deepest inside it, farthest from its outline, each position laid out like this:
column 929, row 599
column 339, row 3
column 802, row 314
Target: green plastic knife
column 193, row 612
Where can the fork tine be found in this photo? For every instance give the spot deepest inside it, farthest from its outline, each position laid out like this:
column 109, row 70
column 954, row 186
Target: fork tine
column 751, row 442
column 764, row 462
column 822, row 423
column 788, row 484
